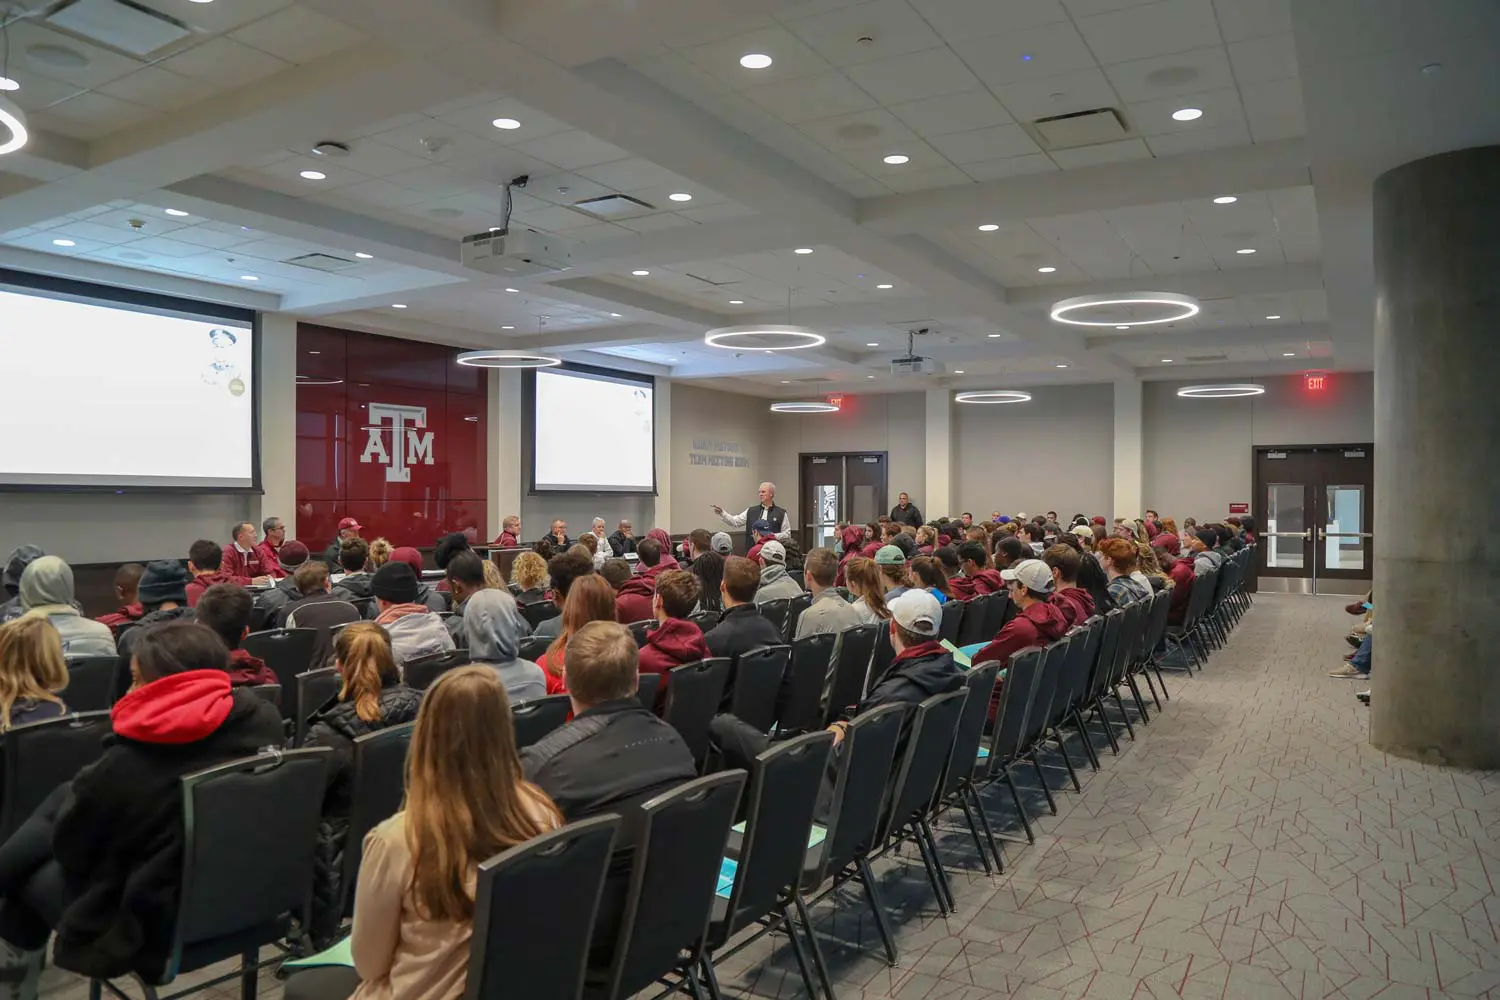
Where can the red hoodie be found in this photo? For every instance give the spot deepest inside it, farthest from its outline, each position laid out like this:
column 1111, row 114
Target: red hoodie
column 633, row 599
column 671, row 644
column 245, row 669
column 1036, row 625
column 1075, row 603
column 652, row 572
column 178, row 708
column 127, row 614
column 1182, row 590
column 270, row 561
column 199, row 584
column 963, row 588
column 988, row 581
column 237, row 564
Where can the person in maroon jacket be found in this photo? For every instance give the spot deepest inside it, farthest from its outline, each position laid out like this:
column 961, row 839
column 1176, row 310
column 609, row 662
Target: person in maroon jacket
column 127, row 582
column 242, row 557
column 1075, row 603
column 206, row 563
column 675, row 640
column 224, row 609
column 633, row 593
column 654, row 558
column 1169, row 548
column 270, row 548
column 976, row 562
column 510, row 532
column 1037, row 622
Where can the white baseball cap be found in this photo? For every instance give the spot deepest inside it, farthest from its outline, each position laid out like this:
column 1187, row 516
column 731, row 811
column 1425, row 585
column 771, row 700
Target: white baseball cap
column 1033, row 574
column 917, row 611
column 773, row 552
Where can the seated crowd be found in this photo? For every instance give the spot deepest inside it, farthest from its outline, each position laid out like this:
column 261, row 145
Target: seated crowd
column 99, row 863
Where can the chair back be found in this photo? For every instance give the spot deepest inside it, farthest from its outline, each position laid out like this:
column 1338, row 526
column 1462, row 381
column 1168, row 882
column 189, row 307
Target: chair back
column 881, row 659
column 673, row 878
column 807, row 675
column 866, row 760
column 40, row 756
column 1016, row 698
column 757, row 682
column 1131, row 628
column 798, row 605
column 980, row 684
column 1083, row 647
column 929, row 743
column 953, row 616
column 1156, row 623
column 250, row 832
column 705, row 620
column 856, row 646
column 532, row 647
column 539, row 612
column 287, row 651
column 1049, row 679
column 639, row 629
column 535, row 719
column 1201, row 597
column 694, row 691
column 971, row 629
column 91, row 683
column 777, row 612
column 784, row 785
column 648, row 687
column 312, row 691
column 268, row 693
column 561, row 875
column 1109, row 643
column 996, row 613
column 422, row 672
column 378, row 784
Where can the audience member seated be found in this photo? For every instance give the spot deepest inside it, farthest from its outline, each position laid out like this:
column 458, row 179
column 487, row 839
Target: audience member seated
column 665, row 560
column 829, row 612
column 427, row 594
column 415, row 629
column 127, row 580
column 293, row 555
column 443, row 552
column 269, row 548
column 891, row 562
column 1205, row 559
column 1036, row 623
column 589, row 542
column 414, row 904
column 492, row 633
column 926, row 540
column 927, row 574
column 242, row 557
column 564, row 569
column 510, row 533
column 465, row 575
column 601, row 539
column 47, row 592
column 313, row 589
column 354, row 585
column 868, row 587
column 32, row 672
column 675, row 640
column 100, row 860
column 380, row 553
column 851, row 540
column 741, row 628
column 1149, row 568
column 700, row 542
column 633, row 594
column 590, row 599
column 613, row 757
column 371, row 697
column 224, row 609
column 205, row 563
column 1075, row 603
column 163, row 594
column 1118, row 558
column 529, row 572
column 1180, row 569
column 709, row 569
column 623, row 541
column 978, row 577
column 1009, row 550
column 1033, row 536
column 775, row 582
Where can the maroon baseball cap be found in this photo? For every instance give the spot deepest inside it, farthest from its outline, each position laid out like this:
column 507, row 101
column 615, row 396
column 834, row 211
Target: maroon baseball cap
column 350, row 522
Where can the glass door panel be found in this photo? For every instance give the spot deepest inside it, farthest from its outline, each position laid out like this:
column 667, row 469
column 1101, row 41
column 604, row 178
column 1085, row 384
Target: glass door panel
column 1286, row 526
column 1343, row 537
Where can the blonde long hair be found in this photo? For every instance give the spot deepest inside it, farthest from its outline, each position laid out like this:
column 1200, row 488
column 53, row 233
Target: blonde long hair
column 31, row 664
column 865, row 581
column 380, row 553
column 363, row 653
column 466, row 798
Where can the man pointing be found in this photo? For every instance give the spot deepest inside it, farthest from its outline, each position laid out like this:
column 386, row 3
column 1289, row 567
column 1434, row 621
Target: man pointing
column 767, row 511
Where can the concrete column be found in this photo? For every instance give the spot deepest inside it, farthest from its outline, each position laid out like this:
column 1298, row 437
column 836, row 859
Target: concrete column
column 278, row 422
column 937, row 496
column 1129, row 458
column 506, row 477
column 1437, row 413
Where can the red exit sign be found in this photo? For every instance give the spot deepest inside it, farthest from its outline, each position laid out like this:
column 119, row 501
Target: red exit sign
column 1315, row 381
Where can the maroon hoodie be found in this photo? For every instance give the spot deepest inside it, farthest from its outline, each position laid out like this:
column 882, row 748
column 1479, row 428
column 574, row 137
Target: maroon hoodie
column 989, row 581
column 1075, row 603
column 247, row 670
column 633, row 599
column 1182, row 590
column 199, row 584
column 127, row 614
column 671, row 644
column 1036, row 625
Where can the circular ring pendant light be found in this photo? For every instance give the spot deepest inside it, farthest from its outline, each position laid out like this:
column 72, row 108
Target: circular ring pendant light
column 764, row 337
column 317, row 380
column 1125, row 309
column 804, row 407
column 993, row 396
column 13, row 131
column 506, row 359
column 1221, row 391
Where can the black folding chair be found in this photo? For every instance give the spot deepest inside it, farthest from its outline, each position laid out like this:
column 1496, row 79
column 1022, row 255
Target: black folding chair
column 424, row 671
column 704, row 619
column 268, row 693
column 694, row 691
column 972, row 628
column 639, row 629
column 535, row 719
column 1006, row 739
column 996, row 613
column 801, row 707
column 1049, row 676
column 794, row 615
column 1072, row 690
column 953, row 616
column 532, row 647
column 958, row 784
column 648, row 689
column 249, row 833
column 777, row 612
column 673, row 879
column 856, row 646
column 40, row 756
column 757, row 682
column 287, row 651
column 539, row 612
column 376, row 788
column 562, row 874
column 881, row 659
column 312, row 691
column 91, row 683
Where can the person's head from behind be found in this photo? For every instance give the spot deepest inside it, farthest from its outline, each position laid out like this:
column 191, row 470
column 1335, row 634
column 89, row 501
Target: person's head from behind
column 975, row 533
column 948, row 556
column 311, row 578
column 176, row 647
column 354, row 554
column 1189, row 523
column 529, row 571
column 1147, row 561
column 1064, row 561
column 380, row 553
column 224, row 609
column 709, row 569
column 1118, row 555
column 867, row 584
column 590, row 599
column 564, row 569
column 676, row 595
column 1011, row 549
column 916, row 617
column 1028, row 582
column 465, row 575
column 603, row 665
column 700, row 540
column 820, row 568
column 20, row 558
column 463, row 750
column 648, row 550
column 127, row 582
column 31, row 664
column 588, row 542
column 972, row 557
column 449, row 546
column 616, row 573
column 392, row 584
column 928, row 572
column 1222, row 530
column 362, row 654
column 163, row 585
column 741, row 580
column 47, row 582
column 204, row 557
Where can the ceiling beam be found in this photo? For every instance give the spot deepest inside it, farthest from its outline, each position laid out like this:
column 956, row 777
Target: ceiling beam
column 116, row 276
column 1199, row 284
column 1217, row 338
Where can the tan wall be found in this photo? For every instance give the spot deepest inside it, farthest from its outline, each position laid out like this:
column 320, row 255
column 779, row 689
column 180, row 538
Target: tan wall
column 719, row 453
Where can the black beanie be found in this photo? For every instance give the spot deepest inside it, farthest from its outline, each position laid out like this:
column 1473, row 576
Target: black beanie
column 395, row 582
column 1207, row 537
column 163, row 580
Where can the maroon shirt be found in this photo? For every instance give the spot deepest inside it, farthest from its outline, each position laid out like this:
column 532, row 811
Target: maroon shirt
column 270, row 561
column 237, row 563
column 633, row 599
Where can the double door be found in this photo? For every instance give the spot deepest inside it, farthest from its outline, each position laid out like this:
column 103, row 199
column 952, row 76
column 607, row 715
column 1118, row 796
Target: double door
column 848, row 487
column 1314, row 507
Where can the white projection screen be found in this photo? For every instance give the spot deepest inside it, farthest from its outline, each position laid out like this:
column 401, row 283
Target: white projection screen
column 592, row 432
column 137, row 392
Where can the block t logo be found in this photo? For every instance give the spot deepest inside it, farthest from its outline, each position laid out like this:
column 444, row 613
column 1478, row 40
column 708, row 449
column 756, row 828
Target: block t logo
column 399, row 460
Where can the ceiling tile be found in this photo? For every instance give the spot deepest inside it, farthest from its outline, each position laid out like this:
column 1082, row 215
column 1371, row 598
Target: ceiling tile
column 952, row 113
column 225, row 63
column 1178, row 73
column 891, row 27
column 1275, row 110
column 158, row 89
column 1106, row 152
column 1068, row 93
column 1260, row 60
column 98, row 113
column 633, row 174
column 925, row 180
column 374, row 158
column 811, row 98
column 379, row 193
column 957, row 20
column 1219, row 107
column 1011, row 166
column 37, row 92
column 1151, row 30
column 298, row 34
column 102, row 65
column 656, row 223
column 1027, row 55
column 479, row 119
column 876, row 129
column 1088, row 8
column 913, row 77
column 791, row 57
column 1242, row 19
column 985, row 144
column 1198, row 140
column 555, row 219
column 572, row 150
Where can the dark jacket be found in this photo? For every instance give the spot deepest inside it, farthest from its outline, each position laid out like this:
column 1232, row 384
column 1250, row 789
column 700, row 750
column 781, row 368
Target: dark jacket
column 620, row 544
column 1035, row 625
column 741, row 629
column 356, row 590
column 916, row 674
column 429, row 596
column 1075, row 603
column 337, row 725
column 776, row 515
column 118, row 837
column 277, row 597
column 907, row 515
column 633, row 599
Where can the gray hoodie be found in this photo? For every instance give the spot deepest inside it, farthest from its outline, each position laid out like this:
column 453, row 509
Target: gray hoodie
column 418, row 634
column 776, row 584
column 47, row 589
column 490, row 625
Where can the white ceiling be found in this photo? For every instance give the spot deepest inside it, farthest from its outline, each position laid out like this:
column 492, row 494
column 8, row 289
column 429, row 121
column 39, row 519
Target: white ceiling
column 1302, row 100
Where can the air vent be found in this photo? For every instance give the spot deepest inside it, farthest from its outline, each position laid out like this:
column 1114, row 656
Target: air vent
column 1210, row 356
column 815, row 380
column 119, row 24
column 1081, row 128
column 322, row 262
column 614, row 206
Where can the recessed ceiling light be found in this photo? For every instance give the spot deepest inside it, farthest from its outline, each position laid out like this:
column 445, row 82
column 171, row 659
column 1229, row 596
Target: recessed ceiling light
column 1289, row 354
column 64, row 243
column 313, row 175
column 1062, row 366
column 988, row 227
column 506, row 123
column 869, row 376
column 641, row 274
column 885, row 286
column 803, row 250
column 1122, row 328
column 1187, row 114
column 248, row 277
column 1166, row 361
column 736, row 302
column 786, row 381
column 314, row 352
column 398, row 305
column 872, row 345
column 994, row 336
column 1225, row 199
column 1246, row 250
column 507, row 328
column 896, row 159
column 179, row 213
column 679, row 196
column 1045, row 270
column 1273, row 317
column 513, row 290
column 6, row 83
column 614, row 315
column 755, row 60
column 202, row 1
column 364, row 256
column 958, row 371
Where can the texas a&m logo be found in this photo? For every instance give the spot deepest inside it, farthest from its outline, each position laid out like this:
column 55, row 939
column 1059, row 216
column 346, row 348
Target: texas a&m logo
column 409, row 446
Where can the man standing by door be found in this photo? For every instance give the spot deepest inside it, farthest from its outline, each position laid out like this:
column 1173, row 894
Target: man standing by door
column 906, row 512
column 767, row 511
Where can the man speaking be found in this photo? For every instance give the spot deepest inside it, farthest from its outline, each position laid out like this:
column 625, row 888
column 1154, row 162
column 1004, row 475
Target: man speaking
column 767, row 511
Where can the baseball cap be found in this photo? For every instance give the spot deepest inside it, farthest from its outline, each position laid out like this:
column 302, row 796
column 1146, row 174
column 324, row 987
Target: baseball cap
column 721, row 543
column 292, row 554
column 350, row 522
column 1098, row 520
column 395, row 582
column 763, row 527
column 1083, row 531
column 1033, row 574
column 773, row 552
column 410, row 556
column 889, row 555
column 917, row 611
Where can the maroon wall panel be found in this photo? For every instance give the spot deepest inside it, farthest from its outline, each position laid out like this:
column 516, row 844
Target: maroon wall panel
column 391, row 432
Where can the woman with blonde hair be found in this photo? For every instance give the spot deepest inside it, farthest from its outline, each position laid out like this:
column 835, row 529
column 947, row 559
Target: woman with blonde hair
column 466, row 801
column 492, row 579
column 380, row 553
column 32, row 671
column 529, row 572
column 590, row 599
column 1150, row 568
column 868, row 587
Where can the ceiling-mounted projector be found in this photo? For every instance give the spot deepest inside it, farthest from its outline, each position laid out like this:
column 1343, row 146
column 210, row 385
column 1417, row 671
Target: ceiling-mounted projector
column 912, row 363
column 520, row 253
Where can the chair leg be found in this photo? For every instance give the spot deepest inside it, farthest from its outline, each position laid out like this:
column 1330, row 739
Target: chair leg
column 96, row 990
column 1088, row 740
column 1140, row 703
column 249, row 975
column 1145, row 672
column 1115, row 694
column 867, row 877
column 963, row 803
column 796, row 939
column 1042, row 777
column 1020, row 806
column 924, row 829
column 1156, row 666
column 1062, row 748
column 930, row 863
column 819, row 965
column 690, row 980
column 972, row 794
column 1109, row 727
